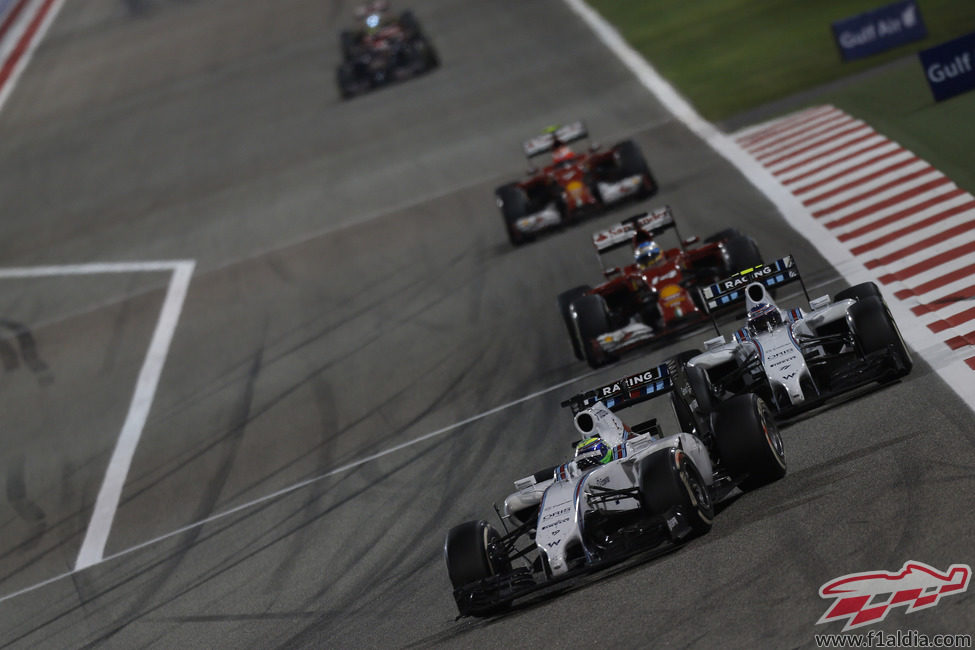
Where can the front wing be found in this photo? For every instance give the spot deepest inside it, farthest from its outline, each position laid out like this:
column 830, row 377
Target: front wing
column 492, row 595
column 874, row 367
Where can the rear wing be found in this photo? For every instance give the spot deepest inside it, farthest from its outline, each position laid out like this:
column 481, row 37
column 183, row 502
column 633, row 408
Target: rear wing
column 627, row 391
column 650, row 223
column 732, row 289
column 546, row 142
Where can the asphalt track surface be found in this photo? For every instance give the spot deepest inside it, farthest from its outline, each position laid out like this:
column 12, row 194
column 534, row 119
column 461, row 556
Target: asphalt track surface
column 354, row 291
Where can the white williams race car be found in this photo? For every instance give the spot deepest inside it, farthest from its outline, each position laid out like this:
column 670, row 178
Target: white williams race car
column 628, row 489
column 795, row 359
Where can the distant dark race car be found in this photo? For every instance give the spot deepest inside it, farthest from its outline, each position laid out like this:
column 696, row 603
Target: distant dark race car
column 574, row 185
column 383, row 49
column 654, row 297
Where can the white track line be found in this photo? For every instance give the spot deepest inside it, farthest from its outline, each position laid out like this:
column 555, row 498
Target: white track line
column 93, row 546
column 302, row 484
column 953, row 369
column 96, row 535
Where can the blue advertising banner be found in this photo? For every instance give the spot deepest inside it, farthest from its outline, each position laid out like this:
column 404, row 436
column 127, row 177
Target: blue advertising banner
column 950, row 67
column 878, row 30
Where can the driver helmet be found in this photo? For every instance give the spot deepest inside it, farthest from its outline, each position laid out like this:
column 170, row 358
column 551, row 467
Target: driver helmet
column 562, row 153
column 764, row 316
column 647, row 253
column 596, row 448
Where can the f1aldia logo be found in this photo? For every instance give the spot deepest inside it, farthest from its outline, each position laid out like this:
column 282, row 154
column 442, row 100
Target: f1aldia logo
column 865, row 598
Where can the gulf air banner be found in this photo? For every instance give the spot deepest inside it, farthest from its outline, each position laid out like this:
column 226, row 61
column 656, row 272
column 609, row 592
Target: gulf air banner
column 878, row 30
column 950, row 67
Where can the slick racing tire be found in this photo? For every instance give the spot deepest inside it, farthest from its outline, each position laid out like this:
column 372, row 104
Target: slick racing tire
column 632, row 163
column 748, row 441
column 592, row 319
column 409, row 24
column 430, row 57
column 741, row 252
column 874, row 329
column 468, row 553
column 566, row 298
column 345, row 78
column 685, row 416
column 348, row 42
column 701, row 388
column 669, row 479
column 513, row 204
column 727, row 233
column 859, row 292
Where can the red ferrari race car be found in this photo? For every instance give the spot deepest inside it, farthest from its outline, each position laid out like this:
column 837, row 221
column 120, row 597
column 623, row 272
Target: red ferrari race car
column 655, row 296
column 573, row 185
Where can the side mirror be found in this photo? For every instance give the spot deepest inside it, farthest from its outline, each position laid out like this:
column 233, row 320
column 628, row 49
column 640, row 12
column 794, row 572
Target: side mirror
column 691, row 240
column 593, row 146
column 611, row 271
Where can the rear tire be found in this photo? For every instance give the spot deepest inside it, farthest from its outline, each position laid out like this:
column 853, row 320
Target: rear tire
column 668, row 479
column 513, row 203
column 632, row 163
column 727, row 233
column 591, row 319
column 566, row 298
column 685, row 416
column 748, row 441
column 874, row 329
column 701, row 387
column 409, row 24
column 742, row 253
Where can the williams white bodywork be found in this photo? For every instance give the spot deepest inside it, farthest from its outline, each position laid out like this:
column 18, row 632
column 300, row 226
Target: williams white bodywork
column 571, row 492
column 778, row 348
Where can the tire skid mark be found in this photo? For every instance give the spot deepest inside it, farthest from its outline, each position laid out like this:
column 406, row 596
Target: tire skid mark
column 27, row 509
column 227, row 562
column 447, row 356
column 211, row 494
column 390, row 573
column 28, row 352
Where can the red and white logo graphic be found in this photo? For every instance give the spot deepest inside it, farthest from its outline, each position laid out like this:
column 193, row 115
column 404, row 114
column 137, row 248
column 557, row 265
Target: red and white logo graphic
column 865, row 598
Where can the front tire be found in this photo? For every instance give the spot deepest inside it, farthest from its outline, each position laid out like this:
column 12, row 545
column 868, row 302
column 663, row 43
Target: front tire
column 513, row 203
column 345, row 78
column 592, row 319
column 471, row 554
column 874, row 329
column 566, row 298
column 669, row 479
column 748, row 441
